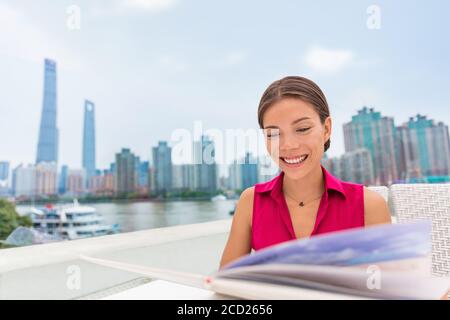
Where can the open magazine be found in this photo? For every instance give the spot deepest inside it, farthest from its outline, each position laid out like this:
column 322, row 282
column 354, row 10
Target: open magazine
column 380, row 262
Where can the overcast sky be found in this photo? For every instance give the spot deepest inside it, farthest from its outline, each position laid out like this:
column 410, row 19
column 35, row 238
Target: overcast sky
column 152, row 66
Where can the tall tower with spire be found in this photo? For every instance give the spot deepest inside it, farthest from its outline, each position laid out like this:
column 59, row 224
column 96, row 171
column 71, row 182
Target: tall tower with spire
column 89, row 139
column 47, row 150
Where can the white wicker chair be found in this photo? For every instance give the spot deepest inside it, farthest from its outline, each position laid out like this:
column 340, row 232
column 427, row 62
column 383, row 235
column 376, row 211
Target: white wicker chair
column 427, row 201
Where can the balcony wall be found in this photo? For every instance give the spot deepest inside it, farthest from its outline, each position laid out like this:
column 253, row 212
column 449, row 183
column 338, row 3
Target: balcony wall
column 46, row 271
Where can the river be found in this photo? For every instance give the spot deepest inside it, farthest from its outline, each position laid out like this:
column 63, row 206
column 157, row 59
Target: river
column 133, row 216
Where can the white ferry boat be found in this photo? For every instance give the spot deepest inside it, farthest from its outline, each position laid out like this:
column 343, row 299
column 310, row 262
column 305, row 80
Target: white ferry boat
column 219, row 197
column 71, row 221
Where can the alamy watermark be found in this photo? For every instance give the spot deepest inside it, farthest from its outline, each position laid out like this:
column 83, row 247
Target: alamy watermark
column 373, row 21
column 229, row 146
column 73, row 280
column 374, row 279
column 73, row 19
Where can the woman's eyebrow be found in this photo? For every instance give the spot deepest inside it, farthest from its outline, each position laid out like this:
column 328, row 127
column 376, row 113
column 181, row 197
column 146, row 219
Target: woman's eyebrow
column 300, row 119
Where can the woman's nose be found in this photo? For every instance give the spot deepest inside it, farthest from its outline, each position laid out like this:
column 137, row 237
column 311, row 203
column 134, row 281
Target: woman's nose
column 288, row 142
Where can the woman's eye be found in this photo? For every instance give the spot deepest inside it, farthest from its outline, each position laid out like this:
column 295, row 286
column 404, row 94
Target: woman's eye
column 272, row 133
column 303, row 129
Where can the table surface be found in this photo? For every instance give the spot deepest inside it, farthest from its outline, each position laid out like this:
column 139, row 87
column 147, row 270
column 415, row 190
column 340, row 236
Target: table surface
column 165, row 290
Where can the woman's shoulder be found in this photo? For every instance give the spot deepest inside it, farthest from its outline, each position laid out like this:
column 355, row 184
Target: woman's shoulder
column 373, row 198
column 247, row 194
column 376, row 209
column 244, row 206
column 246, row 199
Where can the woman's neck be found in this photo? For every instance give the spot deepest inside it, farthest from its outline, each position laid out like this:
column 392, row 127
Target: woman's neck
column 309, row 187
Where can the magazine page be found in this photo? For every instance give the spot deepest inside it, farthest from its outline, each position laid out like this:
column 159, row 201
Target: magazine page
column 373, row 282
column 236, row 288
column 267, row 291
column 190, row 279
column 287, row 282
column 349, row 247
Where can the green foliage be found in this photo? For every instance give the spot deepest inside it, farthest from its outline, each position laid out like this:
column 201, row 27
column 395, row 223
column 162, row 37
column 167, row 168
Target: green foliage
column 10, row 219
column 191, row 194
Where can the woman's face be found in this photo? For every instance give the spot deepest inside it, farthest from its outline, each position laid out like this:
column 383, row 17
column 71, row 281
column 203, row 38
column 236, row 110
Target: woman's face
column 295, row 137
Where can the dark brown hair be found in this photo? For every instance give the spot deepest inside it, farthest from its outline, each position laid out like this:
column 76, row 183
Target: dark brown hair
column 295, row 87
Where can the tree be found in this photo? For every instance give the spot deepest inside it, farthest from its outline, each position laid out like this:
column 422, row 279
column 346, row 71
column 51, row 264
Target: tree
column 10, row 219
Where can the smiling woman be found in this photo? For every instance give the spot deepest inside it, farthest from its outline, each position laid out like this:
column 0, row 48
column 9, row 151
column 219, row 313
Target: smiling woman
column 304, row 199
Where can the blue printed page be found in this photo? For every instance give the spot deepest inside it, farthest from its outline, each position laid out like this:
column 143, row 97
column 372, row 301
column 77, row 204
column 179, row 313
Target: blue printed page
column 348, row 248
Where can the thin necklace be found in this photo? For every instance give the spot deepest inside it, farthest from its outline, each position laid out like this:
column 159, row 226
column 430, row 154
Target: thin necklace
column 303, row 203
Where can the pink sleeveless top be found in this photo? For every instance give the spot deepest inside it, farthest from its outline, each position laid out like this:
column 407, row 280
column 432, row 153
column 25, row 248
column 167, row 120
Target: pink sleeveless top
column 341, row 207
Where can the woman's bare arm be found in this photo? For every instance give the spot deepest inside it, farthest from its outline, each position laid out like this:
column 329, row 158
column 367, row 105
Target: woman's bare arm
column 376, row 209
column 239, row 239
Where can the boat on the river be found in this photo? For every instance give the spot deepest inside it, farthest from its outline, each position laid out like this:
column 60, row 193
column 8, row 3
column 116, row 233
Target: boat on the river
column 71, row 222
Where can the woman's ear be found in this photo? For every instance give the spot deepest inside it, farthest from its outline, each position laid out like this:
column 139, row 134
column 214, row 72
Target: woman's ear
column 327, row 129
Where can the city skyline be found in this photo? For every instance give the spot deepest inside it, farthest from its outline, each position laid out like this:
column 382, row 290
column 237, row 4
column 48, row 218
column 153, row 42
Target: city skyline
column 383, row 127
column 89, row 149
column 377, row 153
column 221, row 73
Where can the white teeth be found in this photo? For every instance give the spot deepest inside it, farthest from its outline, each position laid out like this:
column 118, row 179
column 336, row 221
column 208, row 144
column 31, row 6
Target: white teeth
column 295, row 160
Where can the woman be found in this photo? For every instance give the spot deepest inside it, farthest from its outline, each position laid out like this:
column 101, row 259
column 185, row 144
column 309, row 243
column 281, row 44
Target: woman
column 304, row 199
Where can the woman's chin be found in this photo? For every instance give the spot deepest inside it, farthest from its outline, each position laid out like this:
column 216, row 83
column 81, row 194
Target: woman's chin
column 294, row 172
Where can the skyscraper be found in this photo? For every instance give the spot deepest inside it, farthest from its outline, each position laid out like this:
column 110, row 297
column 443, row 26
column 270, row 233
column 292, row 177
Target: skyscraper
column 47, row 150
column 249, row 171
column 75, row 182
column 244, row 173
column 424, row 148
column 24, row 181
column 125, row 172
column 142, row 176
column 357, row 167
column 235, row 176
column 62, row 185
column 4, row 170
column 205, row 168
column 162, row 163
column 46, row 179
column 369, row 130
column 89, row 140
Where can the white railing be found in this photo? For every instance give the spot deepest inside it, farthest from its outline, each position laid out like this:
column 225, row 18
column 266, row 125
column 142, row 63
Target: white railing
column 48, row 271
